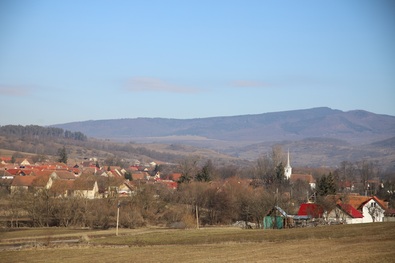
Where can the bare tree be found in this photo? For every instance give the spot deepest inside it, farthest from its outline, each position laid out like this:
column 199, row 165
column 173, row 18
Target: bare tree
column 189, row 168
column 277, row 155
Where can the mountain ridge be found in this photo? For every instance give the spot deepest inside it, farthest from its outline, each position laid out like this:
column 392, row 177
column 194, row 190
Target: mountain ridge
column 284, row 125
column 316, row 137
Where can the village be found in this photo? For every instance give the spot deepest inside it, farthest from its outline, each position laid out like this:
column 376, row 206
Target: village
column 87, row 180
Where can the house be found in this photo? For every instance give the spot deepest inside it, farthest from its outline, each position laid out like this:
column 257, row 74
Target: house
column 25, row 162
column 76, row 170
column 352, row 206
column 43, row 173
column 30, row 183
column 91, row 170
column 373, row 210
column 311, row 210
column 114, row 173
column 62, row 175
column 168, row 183
column 175, row 177
column 346, row 185
column 62, row 188
column 124, row 190
column 19, row 171
column 309, row 214
column 139, row 176
column 345, row 213
column 86, row 189
column 5, row 159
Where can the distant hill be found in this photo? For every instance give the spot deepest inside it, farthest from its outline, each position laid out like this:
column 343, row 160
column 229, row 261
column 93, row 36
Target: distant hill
column 353, row 126
column 316, row 137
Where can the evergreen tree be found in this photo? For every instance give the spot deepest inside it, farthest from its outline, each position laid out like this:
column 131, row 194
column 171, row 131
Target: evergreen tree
column 331, row 184
column 326, row 185
column 128, row 176
column 62, row 153
column 279, row 173
column 205, row 173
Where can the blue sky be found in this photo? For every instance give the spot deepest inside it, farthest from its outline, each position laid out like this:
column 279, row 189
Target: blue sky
column 64, row 61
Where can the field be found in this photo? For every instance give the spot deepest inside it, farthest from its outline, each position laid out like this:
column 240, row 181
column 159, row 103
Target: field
column 342, row 243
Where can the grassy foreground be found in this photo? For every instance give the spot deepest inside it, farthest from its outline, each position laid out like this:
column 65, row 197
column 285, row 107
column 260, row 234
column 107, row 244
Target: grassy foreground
column 343, row 243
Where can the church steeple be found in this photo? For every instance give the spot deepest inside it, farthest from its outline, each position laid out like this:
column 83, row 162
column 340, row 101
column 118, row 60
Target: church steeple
column 288, row 168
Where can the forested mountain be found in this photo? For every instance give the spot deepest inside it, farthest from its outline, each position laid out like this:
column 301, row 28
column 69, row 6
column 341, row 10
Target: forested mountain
column 352, row 126
column 315, row 137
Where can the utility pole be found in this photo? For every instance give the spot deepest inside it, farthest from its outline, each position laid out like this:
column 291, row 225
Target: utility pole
column 197, row 217
column 119, row 204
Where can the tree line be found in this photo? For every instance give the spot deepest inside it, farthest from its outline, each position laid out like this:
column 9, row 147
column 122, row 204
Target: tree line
column 39, row 132
column 215, row 203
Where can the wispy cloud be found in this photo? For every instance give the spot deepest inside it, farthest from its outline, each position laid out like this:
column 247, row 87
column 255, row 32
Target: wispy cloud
column 15, row 91
column 249, row 84
column 141, row 84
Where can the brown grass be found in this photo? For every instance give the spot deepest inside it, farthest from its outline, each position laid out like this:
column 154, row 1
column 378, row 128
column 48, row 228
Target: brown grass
column 347, row 243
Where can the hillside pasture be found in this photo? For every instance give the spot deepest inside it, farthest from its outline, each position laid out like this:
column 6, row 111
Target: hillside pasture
column 343, row 243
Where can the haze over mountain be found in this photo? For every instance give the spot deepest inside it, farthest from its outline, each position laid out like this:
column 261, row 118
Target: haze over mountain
column 315, row 137
column 353, row 126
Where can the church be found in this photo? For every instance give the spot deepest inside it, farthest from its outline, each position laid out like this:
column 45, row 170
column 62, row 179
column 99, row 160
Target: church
column 294, row 177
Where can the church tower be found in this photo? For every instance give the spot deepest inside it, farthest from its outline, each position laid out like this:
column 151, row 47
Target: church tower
column 288, row 169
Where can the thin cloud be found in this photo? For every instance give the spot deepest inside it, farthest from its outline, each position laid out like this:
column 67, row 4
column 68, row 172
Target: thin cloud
column 142, row 84
column 248, row 84
column 15, row 91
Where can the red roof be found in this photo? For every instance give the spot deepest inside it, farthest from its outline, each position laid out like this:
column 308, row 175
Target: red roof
column 65, row 175
column 23, row 180
column 18, row 171
column 138, row 176
column 5, row 159
column 30, row 180
column 310, row 209
column 377, row 200
column 350, row 210
column 356, row 200
column 175, row 176
column 169, row 183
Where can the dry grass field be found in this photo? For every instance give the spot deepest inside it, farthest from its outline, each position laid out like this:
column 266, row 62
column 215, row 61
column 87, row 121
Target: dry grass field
column 343, row 243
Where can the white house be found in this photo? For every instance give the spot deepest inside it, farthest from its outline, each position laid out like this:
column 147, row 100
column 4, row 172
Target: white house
column 372, row 210
column 346, row 214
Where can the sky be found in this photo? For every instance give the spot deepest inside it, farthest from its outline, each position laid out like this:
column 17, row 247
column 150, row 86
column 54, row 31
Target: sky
column 66, row 61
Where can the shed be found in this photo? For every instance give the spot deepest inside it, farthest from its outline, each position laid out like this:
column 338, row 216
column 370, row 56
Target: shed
column 276, row 218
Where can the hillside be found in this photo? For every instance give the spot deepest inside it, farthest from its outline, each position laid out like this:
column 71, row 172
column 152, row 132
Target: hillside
column 315, row 137
column 352, row 126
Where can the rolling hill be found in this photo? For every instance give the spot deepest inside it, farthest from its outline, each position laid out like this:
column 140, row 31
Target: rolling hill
column 353, row 126
column 318, row 136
